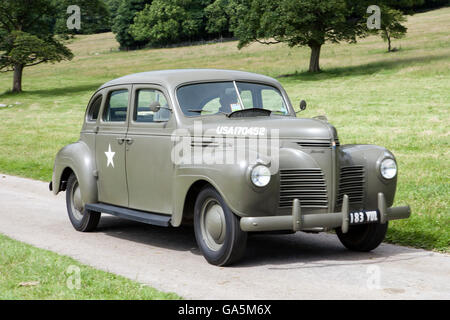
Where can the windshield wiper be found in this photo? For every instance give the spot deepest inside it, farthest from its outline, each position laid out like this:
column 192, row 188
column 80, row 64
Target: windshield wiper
column 195, row 110
column 200, row 111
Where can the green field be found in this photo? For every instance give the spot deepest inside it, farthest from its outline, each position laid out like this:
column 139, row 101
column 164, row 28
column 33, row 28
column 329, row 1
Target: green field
column 31, row 273
column 398, row 100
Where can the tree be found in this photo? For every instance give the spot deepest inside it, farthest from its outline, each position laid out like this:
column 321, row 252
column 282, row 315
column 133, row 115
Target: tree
column 298, row 23
column 170, row 21
column 125, row 14
column 391, row 25
column 27, row 37
column 392, row 17
column 218, row 18
column 113, row 7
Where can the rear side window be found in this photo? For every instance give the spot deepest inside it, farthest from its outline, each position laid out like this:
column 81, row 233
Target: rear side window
column 116, row 107
column 95, row 109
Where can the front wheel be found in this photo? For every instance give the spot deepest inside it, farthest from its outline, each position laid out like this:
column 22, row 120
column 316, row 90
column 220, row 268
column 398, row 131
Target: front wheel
column 217, row 229
column 364, row 238
column 82, row 219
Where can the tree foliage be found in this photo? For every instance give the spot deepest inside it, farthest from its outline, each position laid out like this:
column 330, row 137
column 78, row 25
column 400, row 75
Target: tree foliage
column 298, row 23
column 27, row 37
column 94, row 16
column 170, row 21
column 391, row 25
column 113, row 7
column 125, row 14
column 311, row 22
column 218, row 19
column 26, row 49
column 392, row 18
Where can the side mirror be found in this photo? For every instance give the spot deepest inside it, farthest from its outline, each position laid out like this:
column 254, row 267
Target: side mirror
column 155, row 106
column 302, row 105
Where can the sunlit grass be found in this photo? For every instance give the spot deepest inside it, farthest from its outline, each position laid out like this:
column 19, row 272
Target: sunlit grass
column 398, row 100
column 27, row 272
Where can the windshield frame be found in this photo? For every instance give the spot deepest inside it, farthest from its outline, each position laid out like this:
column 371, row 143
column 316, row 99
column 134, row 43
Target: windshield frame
column 235, row 84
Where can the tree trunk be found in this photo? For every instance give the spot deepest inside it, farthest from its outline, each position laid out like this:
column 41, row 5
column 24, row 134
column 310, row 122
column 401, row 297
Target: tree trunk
column 388, row 38
column 389, row 43
column 17, row 82
column 315, row 56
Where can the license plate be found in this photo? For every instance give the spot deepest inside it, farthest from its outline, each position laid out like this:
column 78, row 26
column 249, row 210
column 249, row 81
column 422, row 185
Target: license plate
column 363, row 217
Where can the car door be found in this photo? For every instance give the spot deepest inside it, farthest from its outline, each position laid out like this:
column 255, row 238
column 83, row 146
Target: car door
column 148, row 159
column 110, row 147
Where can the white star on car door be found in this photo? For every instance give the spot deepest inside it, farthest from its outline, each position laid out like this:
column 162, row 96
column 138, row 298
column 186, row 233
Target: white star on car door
column 110, row 157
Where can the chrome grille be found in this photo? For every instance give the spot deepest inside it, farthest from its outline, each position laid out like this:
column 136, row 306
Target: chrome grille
column 351, row 183
column 312, row 144
column 307, row 185
column 203, row 144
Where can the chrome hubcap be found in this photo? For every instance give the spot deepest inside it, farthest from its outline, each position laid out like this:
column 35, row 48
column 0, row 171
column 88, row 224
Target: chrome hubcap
column 77, row 202
column 213, row 224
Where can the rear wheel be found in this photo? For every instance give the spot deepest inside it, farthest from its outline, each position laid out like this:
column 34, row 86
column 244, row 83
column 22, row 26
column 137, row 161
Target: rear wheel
column 365, row 237
column 82, row 219
column 217, row 229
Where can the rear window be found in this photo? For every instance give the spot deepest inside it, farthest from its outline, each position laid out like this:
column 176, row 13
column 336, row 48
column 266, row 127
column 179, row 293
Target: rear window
column 94, row 109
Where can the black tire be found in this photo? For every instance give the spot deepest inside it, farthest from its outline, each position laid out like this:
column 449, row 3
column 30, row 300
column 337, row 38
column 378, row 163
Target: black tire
column 231, row 243
column 82, row 219
column 363, row 238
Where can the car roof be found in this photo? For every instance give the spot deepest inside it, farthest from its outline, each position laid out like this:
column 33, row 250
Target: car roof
column 173, row 78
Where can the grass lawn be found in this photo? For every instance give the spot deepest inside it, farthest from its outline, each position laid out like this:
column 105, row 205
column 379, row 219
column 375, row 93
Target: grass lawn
column 27, row 272
column 398, row 100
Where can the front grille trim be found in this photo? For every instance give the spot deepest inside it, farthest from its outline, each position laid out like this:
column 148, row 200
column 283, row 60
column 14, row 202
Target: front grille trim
column 308, row 185
column 351, row 182
column 310, row 144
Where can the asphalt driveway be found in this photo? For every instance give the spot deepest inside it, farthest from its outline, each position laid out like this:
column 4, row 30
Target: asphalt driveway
column 298, row 266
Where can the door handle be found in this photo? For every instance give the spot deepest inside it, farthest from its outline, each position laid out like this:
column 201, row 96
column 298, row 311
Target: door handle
column 120, row 140
column 129, row 141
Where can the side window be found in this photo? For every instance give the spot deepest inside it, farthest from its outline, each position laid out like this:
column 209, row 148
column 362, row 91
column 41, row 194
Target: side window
column 94, row 109
column 116, row 107
column 145, row 97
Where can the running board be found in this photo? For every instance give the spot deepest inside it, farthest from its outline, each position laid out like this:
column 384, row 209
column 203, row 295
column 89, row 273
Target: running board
column 130, row 214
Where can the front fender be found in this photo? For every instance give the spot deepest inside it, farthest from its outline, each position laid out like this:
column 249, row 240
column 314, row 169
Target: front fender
column 233, row 184
column 80, row 159
column 370, row 157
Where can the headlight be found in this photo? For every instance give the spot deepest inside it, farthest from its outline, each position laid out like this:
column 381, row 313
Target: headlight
column 260, row 176
column 388, row 168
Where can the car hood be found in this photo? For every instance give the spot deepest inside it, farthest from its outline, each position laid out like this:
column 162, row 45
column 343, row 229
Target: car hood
column 273, row 126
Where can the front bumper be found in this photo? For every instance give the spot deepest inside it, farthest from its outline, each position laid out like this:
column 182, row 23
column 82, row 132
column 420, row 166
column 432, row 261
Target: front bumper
column 298, row 222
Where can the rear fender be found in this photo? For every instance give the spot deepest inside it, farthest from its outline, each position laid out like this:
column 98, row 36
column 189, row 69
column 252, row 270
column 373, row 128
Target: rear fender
column 80, row 160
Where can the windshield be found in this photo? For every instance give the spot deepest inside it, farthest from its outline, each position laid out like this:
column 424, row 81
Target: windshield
column 222, row 97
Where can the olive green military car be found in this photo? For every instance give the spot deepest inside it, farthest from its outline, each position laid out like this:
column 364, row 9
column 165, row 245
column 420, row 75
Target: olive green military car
column 184, row 146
